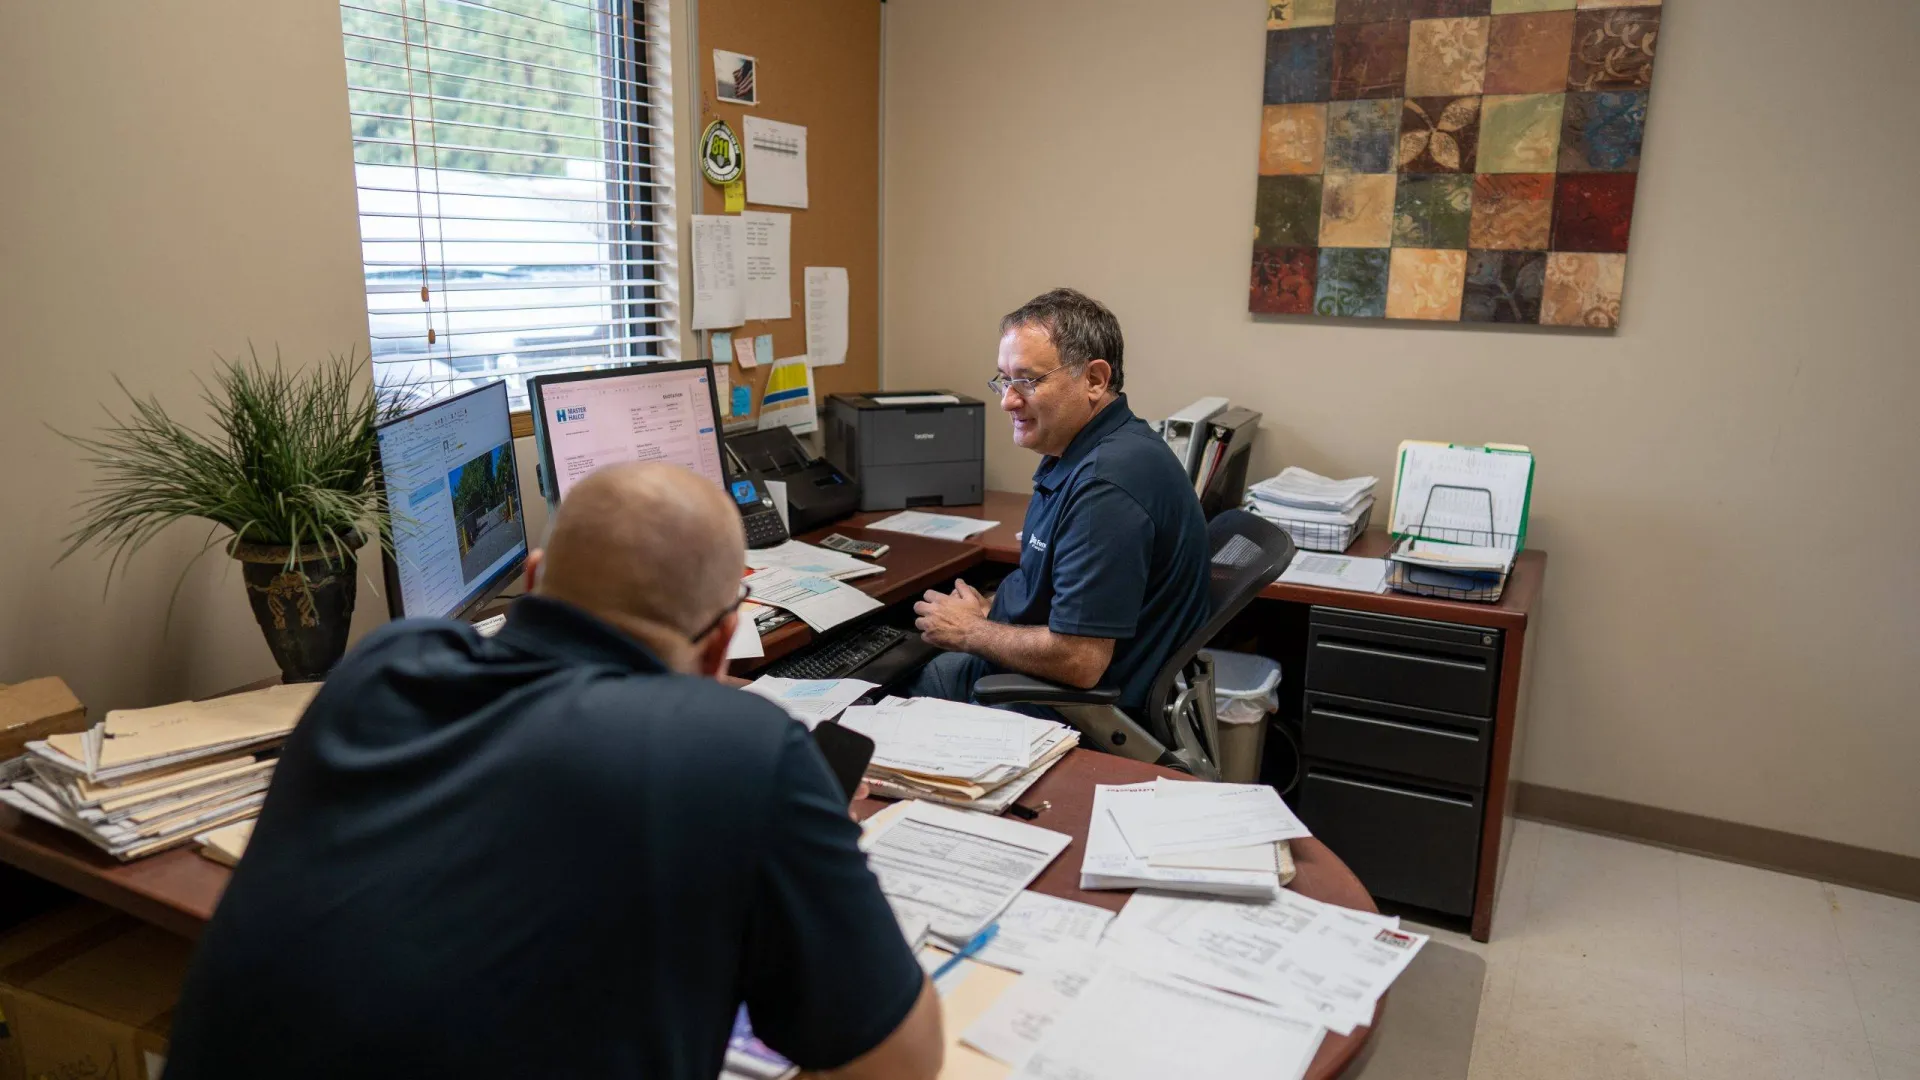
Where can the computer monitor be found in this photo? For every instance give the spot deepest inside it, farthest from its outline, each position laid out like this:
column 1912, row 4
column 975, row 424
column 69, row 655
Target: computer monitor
column 584, row 420
column 453, row 493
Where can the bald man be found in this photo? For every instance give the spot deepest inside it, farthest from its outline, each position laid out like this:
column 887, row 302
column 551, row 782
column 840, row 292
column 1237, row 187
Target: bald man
column 566, row 851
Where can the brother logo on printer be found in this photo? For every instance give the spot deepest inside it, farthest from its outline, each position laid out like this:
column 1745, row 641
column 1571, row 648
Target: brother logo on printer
column 922, row 436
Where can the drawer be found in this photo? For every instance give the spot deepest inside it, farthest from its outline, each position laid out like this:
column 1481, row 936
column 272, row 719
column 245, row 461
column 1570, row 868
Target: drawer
column 1425, row 665
column 1422, row 743
column 1406, row 845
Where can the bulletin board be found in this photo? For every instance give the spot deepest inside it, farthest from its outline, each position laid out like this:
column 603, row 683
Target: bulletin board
column 817, row 64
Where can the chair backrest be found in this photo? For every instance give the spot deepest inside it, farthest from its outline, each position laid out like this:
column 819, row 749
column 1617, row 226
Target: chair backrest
column 1248, row 553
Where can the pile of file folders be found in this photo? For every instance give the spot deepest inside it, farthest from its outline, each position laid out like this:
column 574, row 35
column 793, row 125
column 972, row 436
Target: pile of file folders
column 145, row 780
column 960, row 755
column 1319, row 513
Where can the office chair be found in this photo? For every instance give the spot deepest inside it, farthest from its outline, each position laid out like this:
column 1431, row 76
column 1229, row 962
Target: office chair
column 1249, row 552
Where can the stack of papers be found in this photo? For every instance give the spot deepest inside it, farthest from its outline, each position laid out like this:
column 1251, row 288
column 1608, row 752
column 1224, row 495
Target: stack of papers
column 960, row 755
column 1308, row 496
column 1461, row 558
column 1224, row 839
column 814, row 598
column 1320, row 514
column 1314, row 961
column 938, row 526
column 808, row 559
column 145, row 780
column 810, row 701
column 958, row 870
column 1348, row 572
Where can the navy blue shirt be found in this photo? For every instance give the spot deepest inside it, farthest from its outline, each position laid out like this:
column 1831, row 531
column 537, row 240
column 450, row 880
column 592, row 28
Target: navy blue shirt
column 1114, row 546
column 540, row 855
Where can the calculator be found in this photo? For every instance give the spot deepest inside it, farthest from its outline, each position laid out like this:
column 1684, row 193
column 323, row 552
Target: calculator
column 865, row 549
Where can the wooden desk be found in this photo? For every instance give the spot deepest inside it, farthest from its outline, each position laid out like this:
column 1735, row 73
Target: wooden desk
column 913, row 565
column 1069, row 787
column 1513, row 615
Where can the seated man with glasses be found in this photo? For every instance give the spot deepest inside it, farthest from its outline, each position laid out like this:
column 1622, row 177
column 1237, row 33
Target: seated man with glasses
column 1113, row 568
column 563, row 851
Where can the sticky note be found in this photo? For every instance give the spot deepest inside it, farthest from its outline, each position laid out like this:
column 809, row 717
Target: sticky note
column 743, row 352
column 722, row 351
column 763, row 349
column 742, row 400
column 736, row 196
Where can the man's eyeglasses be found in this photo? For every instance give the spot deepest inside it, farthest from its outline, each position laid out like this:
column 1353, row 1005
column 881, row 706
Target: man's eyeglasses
column 1000, row 384
column 745, row 591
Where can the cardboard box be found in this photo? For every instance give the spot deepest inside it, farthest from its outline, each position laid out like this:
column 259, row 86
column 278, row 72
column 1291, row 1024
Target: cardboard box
column 36, row 709
column 88, row 994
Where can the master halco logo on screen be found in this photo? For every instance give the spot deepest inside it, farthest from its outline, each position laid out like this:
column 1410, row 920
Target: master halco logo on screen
column 573, row 412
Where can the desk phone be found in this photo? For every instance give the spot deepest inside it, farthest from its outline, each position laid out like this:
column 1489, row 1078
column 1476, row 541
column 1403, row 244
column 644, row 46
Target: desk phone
column 757, row 512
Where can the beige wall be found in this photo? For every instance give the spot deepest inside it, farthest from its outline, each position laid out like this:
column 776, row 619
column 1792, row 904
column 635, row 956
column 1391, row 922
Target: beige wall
column 177, row 180
column 1726, row 485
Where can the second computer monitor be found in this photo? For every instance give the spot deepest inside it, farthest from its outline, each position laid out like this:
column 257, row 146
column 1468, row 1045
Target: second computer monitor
column 453, row 492
column 653, row 412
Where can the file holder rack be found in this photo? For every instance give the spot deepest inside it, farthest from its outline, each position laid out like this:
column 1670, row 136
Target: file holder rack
column 1318, row 535
column 1445, row 584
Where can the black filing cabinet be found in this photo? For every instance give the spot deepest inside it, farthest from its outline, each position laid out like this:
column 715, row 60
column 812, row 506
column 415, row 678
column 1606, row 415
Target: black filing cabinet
column 1397, row 734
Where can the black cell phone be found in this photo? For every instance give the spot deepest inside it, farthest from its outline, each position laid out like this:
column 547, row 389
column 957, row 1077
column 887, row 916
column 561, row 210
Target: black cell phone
column 847, row 753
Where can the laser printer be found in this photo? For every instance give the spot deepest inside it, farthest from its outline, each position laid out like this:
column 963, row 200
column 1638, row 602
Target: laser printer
column 910, row 448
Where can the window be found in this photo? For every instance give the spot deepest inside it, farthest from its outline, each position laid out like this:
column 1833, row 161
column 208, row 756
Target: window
column 515, row 174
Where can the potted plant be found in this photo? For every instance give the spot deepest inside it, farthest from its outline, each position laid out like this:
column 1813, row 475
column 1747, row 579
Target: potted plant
column 287, row 480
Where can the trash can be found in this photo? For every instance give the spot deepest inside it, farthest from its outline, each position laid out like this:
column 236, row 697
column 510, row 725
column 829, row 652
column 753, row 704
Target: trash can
column 1245, row 693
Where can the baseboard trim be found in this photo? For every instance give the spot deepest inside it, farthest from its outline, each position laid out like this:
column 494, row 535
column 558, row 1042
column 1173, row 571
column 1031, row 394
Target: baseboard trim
column 1806, row 856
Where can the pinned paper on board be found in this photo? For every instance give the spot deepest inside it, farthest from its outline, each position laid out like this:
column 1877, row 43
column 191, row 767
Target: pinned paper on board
column 743, row 353
column 722, row 384
column 788, row 399
column 719, row 271
column 735, row 196
column 776, row 163
column 720, row 351
column 735, row 78
column 826, row 315
column 742, row 401
column 768, row 239
column 763, row 349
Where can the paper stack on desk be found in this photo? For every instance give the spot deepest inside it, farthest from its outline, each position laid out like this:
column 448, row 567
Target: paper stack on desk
column 810, row 701
column 960, row 755
column 145, row 780
column 816, row 599
column 1226, row 839
column 959, row 870
column 1320, row 514
column 808, row 559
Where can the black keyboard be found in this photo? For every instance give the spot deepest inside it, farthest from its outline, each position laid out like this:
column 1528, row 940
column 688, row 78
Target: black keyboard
column 839, row 658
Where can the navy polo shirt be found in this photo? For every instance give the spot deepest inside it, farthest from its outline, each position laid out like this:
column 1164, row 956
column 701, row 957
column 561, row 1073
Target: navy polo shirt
column 540, row 854
column 1115, row 546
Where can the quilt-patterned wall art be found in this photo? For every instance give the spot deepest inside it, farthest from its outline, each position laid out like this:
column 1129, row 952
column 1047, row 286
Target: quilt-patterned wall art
column 1451, row 160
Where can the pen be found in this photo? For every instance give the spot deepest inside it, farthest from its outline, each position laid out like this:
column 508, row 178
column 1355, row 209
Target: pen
column 979, row 942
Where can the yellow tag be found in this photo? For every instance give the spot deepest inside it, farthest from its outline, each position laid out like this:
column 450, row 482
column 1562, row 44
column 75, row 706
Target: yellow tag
column 736, row 196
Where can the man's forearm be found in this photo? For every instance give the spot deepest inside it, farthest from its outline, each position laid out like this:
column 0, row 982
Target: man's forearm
column 1038, row 651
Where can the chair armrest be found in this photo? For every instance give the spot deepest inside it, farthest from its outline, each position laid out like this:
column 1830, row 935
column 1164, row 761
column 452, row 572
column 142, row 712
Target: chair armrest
column 1027, row 690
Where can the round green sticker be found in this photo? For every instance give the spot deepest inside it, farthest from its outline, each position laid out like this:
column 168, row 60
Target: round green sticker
column 720, row 159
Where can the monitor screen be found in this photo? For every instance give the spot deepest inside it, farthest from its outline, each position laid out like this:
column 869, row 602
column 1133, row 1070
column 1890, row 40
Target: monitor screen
column 453, row 493
column 659, row 412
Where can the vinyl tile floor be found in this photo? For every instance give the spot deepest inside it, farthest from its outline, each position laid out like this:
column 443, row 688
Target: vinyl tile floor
column 1631, row 962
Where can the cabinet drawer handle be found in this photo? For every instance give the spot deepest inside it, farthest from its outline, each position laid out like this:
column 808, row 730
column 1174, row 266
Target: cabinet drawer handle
column 1424, row 658
column 1415, row 728
column 1402, row 792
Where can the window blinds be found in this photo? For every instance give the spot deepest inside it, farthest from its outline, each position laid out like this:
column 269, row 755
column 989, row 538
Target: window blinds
column 514, row 165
